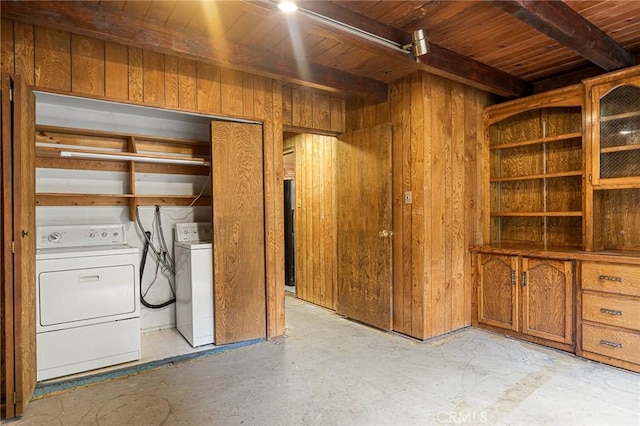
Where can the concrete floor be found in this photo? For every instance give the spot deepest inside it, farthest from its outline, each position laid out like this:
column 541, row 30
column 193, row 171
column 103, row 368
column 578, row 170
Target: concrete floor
column 331, row 371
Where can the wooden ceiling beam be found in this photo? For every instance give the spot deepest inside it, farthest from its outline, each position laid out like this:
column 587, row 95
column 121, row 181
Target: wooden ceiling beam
column 563, row 24
column 90, row 19
column 438, row 61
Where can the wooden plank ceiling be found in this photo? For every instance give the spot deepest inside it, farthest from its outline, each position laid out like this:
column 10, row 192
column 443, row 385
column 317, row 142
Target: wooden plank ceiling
column 509, row 48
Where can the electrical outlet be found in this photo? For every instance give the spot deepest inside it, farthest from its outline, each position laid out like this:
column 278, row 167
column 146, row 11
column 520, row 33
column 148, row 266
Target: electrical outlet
column 408, row 197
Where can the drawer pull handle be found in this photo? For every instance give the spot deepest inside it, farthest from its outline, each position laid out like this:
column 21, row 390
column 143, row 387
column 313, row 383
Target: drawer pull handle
column 612, row 344
column 610, row 278
column 610, row 311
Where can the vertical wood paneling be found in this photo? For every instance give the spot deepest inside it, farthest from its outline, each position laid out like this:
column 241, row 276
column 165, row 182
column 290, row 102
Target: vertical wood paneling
column 53, row 59
column 171, row 81
column 231, row 91
column 337, row 115
column 6, row 44
column 116, row 70
column 321, row 105
column 399, row 306
column 153, row 77
column 208, row 87
column 136, row 74
column 247, row 95
column 417, row 148
column 316, row 270
column 24, row 51
column 458, row 246
column 87, row 65
column 187, row 84
column 436, row 126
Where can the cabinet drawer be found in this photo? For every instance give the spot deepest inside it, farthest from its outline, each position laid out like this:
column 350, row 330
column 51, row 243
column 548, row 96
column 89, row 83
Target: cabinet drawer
column 612, row 278
column 616, row 311
column 619, row 344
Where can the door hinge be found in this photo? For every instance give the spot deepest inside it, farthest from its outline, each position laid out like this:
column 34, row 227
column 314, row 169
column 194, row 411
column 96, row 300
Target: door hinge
column 11, row 94
column 13, row 247
column 524, row 279
column 513, row 277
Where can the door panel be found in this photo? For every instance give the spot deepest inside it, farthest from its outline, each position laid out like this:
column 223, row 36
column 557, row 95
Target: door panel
column 498, row 291
column 364, row 226
column 547, row 296
column 238, row 232
column 19, row 323
column 6, row 271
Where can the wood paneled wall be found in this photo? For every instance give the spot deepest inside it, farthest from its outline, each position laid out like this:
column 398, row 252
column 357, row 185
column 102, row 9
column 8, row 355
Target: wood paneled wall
column 59, row 61
column 315, row 223
column 308, row 109
column 437, row 134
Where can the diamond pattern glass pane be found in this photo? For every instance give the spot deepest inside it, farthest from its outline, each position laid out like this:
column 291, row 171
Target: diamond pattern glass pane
column 620, row 133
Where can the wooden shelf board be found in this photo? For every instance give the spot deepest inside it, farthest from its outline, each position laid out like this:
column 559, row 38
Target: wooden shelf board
column 620, row 148
column 78, row 199
column 622, row 116
column 536, row 214
column 538, row 141
column 55, row 152
column 538, row 176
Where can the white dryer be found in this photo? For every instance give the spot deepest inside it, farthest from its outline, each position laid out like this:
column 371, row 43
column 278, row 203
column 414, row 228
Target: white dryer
column 194, row 283
column 87, row 299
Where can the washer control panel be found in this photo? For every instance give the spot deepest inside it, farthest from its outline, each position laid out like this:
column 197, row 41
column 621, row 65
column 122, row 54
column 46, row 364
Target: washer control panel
column 80, row 235
column 193, row 232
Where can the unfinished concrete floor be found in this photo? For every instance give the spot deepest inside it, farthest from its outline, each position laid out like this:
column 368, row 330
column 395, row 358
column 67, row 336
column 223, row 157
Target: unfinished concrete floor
column 331, row 371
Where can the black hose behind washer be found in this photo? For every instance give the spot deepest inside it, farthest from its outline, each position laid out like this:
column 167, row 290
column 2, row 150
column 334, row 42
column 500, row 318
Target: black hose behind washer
column 143, row 261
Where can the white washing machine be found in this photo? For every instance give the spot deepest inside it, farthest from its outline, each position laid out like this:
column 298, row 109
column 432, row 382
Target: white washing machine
column 194, row 282
column 87, row 299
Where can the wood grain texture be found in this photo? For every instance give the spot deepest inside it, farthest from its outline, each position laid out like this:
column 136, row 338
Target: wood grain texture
column 187, row 84
column 87, row 65
column 231, row 92
column 239, row 239
column 153, row 74
column 310, row 110
column 136, row 74
column 6, row 46
column 24, row 237
column 363, row 178
column 547, row 299
column 24, row 51
column 609, row 310
column 208, row 91
column 497, row 295
column 116, row 71
column 52, row 59
column 7, row 362
column 171, row 81
column 315, row 226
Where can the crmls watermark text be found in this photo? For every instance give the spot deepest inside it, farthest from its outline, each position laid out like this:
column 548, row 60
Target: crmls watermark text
column 462, row 417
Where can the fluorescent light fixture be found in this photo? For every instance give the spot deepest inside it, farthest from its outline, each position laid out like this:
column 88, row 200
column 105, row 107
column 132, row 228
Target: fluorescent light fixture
column 287, row 6
column 124, row 157
column 418, row 47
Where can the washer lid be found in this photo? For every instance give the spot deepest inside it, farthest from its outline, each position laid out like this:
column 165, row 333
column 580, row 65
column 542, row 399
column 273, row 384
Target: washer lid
column 196, row 245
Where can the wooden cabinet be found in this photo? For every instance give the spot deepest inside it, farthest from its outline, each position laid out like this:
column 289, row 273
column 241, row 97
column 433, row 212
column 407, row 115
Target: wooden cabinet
column 528, row 295
column 534, row 171
column 611, row 313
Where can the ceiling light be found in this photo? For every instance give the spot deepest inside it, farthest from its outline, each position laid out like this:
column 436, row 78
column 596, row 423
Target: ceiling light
column 287, row 6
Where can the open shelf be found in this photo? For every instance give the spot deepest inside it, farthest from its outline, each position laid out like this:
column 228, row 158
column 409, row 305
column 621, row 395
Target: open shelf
column 619, row 148
column 538, row 141
column 536, row 214
column 538, row 176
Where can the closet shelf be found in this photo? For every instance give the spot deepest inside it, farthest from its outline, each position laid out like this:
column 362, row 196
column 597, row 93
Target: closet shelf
column 623, row 116
column 103, row 155
column 621, row 148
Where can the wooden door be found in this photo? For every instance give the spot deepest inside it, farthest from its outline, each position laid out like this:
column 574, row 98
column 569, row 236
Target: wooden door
column 18, row 230
column 547, row 299
column 363, row 179
column 498, row 291
column 238, row 232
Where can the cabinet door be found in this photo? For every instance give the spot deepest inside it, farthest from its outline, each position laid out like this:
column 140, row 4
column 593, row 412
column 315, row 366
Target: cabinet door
column 616, row 133
column 546, row 299
column 497, row 291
